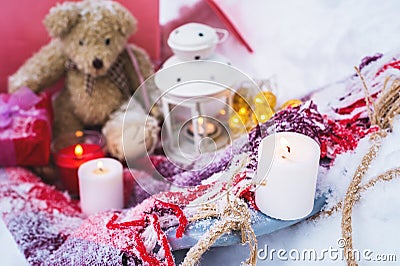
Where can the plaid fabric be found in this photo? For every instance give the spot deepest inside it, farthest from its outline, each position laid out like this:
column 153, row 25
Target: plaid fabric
column 49, row 228
column 115, row 72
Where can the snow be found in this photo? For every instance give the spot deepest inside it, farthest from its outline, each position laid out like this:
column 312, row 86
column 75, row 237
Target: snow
column 309, row 44
column 306, row 45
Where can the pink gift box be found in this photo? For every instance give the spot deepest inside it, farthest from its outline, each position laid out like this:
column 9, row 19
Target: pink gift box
column 25, row 128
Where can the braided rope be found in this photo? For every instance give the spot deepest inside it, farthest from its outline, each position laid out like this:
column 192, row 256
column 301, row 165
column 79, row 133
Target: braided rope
column 384, row 110
column 385, row 177
column 235, row 215
column 353, row 195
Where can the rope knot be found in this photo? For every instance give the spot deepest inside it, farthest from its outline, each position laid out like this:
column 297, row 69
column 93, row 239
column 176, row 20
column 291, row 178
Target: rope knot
column 233, row 209
column 234, row 215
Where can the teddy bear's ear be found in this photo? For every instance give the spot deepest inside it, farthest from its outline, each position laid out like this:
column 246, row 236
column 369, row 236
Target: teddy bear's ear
column 126, row 22
column 62, row 18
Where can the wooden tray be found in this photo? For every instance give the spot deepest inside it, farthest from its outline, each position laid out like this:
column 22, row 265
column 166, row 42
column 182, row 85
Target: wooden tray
column 261, row 223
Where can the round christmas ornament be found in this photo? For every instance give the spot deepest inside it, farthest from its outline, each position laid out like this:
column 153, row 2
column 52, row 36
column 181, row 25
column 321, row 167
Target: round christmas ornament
column 238, row 123
column 265, row 97
column 262, row 114
column 241, row 101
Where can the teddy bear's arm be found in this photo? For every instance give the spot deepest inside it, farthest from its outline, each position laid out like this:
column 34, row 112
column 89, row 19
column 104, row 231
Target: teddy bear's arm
column 40, row 71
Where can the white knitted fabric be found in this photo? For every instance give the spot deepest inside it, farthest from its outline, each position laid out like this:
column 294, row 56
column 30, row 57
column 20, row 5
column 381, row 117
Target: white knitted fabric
column 131, row 133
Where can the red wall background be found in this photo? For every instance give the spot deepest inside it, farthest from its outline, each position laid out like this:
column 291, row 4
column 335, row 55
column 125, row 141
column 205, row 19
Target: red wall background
column 23, row 33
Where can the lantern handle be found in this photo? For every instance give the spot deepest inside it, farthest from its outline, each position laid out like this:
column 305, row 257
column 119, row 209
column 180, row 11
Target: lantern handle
column 222, row 35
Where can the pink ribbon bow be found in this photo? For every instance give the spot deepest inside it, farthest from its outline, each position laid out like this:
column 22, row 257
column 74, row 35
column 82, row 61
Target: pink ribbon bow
column 18, row 104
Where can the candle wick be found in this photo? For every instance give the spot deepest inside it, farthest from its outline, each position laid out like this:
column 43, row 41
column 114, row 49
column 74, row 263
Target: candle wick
column 100, row 169
column 288, row 149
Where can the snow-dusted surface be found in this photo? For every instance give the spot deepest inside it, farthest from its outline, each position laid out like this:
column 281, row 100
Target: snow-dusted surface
column 308, row 44
column 305, row 44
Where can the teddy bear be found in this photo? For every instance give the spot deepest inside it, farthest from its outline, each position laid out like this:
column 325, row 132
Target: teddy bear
column 89, row 48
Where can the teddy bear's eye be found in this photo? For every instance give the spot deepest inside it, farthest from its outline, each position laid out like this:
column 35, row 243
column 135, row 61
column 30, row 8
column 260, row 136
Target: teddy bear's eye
column 81, row 42
column 107, row 41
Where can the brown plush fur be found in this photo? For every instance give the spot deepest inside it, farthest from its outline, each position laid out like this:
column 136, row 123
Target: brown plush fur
column 82, row 32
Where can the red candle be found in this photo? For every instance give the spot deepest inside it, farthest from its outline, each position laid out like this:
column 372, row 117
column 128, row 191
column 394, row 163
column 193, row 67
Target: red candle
column 70, row 158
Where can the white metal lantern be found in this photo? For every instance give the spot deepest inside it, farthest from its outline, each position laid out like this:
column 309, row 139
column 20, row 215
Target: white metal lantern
column 197, row 87
column 195, row 102
column 195, row 94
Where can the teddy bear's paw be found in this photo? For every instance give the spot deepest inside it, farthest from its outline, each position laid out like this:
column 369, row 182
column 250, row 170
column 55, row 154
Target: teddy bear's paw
column 140, row 139
column 137, row 138
column 152, row 131
column 115, row 147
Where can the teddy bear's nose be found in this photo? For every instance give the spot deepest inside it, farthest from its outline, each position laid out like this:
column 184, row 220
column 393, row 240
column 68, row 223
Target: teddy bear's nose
column 97, row 63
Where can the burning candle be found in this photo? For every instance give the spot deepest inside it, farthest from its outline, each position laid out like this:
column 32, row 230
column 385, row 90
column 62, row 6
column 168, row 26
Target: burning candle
column 203, row 126
column 78, row 151
column 101, row 185
column 73, row 149
column 289, row 172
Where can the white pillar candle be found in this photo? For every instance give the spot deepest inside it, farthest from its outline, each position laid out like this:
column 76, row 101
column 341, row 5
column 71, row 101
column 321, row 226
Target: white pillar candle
column 288, row 163
column 101, row 185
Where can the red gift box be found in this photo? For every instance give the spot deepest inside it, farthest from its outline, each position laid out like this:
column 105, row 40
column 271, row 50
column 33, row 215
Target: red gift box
column 25, row 128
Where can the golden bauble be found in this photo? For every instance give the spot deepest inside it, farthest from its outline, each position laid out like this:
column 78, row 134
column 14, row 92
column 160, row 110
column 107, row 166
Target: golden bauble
column 265, row 97
column 262, row 114
column 238, row 123
column 243, row 112
column 240, row 100
column 291, row 103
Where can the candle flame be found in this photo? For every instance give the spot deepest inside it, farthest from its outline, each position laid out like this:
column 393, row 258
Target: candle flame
column 100, row 165
column 78, row 151
column 201, row 121
column 222, row 112
column 285, row 146
column 78, row 134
